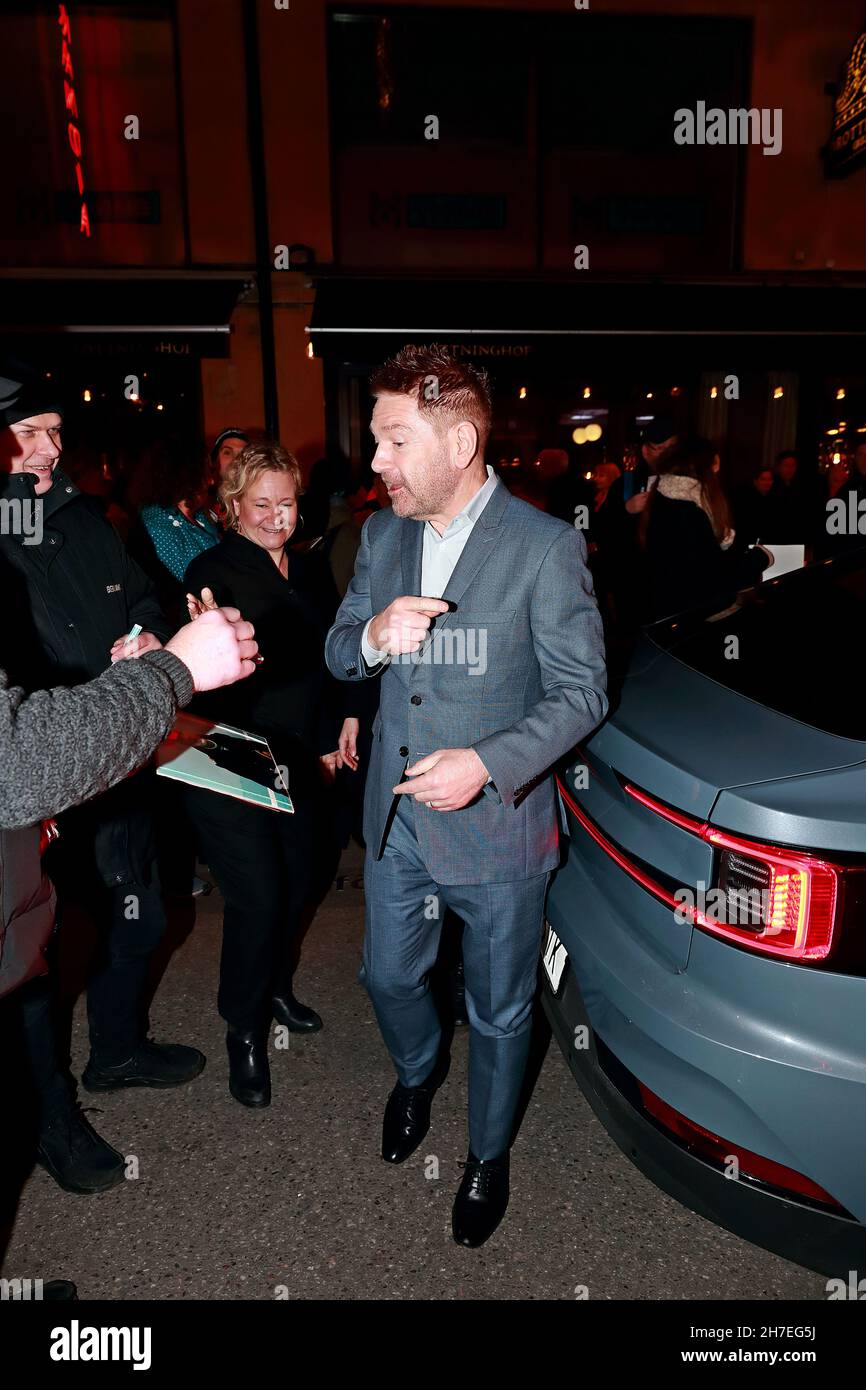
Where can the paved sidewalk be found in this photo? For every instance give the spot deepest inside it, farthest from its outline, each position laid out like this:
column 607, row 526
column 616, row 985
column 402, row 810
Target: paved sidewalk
column 295, row 1201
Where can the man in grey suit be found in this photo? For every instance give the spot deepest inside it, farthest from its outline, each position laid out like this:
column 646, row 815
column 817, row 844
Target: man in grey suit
column 476, row 613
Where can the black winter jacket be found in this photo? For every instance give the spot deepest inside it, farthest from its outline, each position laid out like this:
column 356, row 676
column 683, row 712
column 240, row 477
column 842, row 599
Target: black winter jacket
column 66, row 600
column 686, row 566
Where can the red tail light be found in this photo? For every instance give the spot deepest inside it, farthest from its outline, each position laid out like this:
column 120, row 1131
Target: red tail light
column 711, row 1146
column 795, row 893
column 778, row 902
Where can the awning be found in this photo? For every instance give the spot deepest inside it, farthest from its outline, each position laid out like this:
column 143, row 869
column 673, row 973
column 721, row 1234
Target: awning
column 379, row 312
column 64, row 303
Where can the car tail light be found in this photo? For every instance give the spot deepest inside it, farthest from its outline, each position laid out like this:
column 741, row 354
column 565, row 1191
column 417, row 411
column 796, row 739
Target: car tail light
column 717, row 1150
column 776, row 901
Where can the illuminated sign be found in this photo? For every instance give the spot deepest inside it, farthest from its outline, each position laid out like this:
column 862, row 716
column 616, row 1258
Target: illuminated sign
column 847, row 146
column 70, row 105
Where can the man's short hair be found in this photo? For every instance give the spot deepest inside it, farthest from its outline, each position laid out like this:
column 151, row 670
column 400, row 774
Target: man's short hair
column 445, row 390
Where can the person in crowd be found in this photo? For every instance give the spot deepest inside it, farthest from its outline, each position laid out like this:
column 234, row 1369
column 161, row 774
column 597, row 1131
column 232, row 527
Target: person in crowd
column 569, row 490
column 174, row 526
column 460, row 807
column 73, row 593
column 223, row 452
column 59, row 748
column 836, row 536
column 795, row 501
column 756, row 509
column 658, row 438
column 329, row 513
column 177, row 522
column 264, row 860
column 225, row 449
column 694, row 558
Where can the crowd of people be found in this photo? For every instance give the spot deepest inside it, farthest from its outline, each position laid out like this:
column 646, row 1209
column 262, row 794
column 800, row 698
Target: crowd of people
column 276, row 605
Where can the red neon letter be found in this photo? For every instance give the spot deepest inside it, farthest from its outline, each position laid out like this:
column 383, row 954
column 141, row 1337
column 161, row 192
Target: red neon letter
column 74, row 140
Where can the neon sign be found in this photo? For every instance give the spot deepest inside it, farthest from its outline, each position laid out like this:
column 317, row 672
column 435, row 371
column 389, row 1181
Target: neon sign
column 847, row 146
column 70, row 104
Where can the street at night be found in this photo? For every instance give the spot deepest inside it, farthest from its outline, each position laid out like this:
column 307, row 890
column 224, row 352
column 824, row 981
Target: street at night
column 432, row 756
column 325, row 1218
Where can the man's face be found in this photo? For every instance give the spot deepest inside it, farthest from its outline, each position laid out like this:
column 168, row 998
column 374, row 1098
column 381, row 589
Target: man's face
column 787, row 468
column 227, row 453
column 32, row 446
column 412, row 458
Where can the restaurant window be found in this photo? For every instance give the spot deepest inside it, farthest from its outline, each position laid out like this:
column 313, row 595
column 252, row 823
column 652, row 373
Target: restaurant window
column 478, row 139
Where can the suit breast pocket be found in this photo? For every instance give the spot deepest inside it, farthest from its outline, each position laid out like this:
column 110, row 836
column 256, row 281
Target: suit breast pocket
column 469, row 641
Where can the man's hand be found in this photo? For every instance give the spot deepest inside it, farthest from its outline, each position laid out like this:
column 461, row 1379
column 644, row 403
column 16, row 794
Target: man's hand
column 218, row 648
column 125, row 651
column 347, row 745
column 446, row 780
column 404, row 624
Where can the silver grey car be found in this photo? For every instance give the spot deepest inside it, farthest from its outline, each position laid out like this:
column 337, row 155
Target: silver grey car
column 705, row 960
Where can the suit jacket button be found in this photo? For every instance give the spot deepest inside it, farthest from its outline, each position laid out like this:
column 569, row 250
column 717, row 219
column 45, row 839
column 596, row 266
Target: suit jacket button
column 351, row 670
column 416, row 700
column 404, row 751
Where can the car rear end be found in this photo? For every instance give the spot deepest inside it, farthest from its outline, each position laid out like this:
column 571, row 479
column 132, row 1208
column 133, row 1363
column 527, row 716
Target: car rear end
column 705, row 972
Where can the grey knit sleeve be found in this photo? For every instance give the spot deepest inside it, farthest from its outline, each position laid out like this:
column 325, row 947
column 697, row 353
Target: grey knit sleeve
column 60, row 747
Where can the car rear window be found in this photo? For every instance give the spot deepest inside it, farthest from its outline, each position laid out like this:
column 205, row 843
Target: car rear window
column 801, row 645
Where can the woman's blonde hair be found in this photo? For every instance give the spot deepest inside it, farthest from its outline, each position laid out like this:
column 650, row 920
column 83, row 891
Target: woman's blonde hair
column 248, row 467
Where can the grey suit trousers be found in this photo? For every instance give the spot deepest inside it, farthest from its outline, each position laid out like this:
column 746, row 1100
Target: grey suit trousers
column 501, row 943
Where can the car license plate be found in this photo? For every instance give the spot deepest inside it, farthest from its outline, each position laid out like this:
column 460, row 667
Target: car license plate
column 554, row 958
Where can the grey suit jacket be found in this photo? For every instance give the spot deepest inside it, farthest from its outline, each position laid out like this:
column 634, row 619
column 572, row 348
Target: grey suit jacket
column 516, row 672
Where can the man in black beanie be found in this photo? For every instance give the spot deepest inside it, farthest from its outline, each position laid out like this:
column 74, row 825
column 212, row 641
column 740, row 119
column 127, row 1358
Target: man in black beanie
column 71, row 599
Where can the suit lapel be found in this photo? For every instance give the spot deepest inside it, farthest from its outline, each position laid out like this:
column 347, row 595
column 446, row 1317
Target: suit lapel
column 474, row 555
column 477, row 549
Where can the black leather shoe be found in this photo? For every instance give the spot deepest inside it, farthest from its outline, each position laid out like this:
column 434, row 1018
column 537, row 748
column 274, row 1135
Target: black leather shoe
column 59, row 1291
column 249, row 1069
column 77, row 1158
column 294, row 1015
column 481, row 1201
column 407, row 1114
column 152, row 1064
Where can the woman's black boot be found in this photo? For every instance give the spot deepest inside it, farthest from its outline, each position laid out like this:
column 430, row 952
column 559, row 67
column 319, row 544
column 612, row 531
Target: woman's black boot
column 249, row 1070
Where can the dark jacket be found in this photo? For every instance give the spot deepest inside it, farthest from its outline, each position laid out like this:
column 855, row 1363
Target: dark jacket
column 59, row 747
column 66, row 600
column 686, row 566
column 291, row 699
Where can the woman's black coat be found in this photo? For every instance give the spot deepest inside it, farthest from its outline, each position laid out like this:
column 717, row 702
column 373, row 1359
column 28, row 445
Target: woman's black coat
column 291, row 699
column 687, row 567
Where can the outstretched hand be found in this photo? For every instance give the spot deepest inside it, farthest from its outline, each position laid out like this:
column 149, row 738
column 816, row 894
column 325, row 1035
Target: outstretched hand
column 206, row 604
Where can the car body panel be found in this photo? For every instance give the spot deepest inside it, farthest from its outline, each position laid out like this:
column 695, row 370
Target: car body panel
column 785, row 811
column 767, row 1055
column 685, row 737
